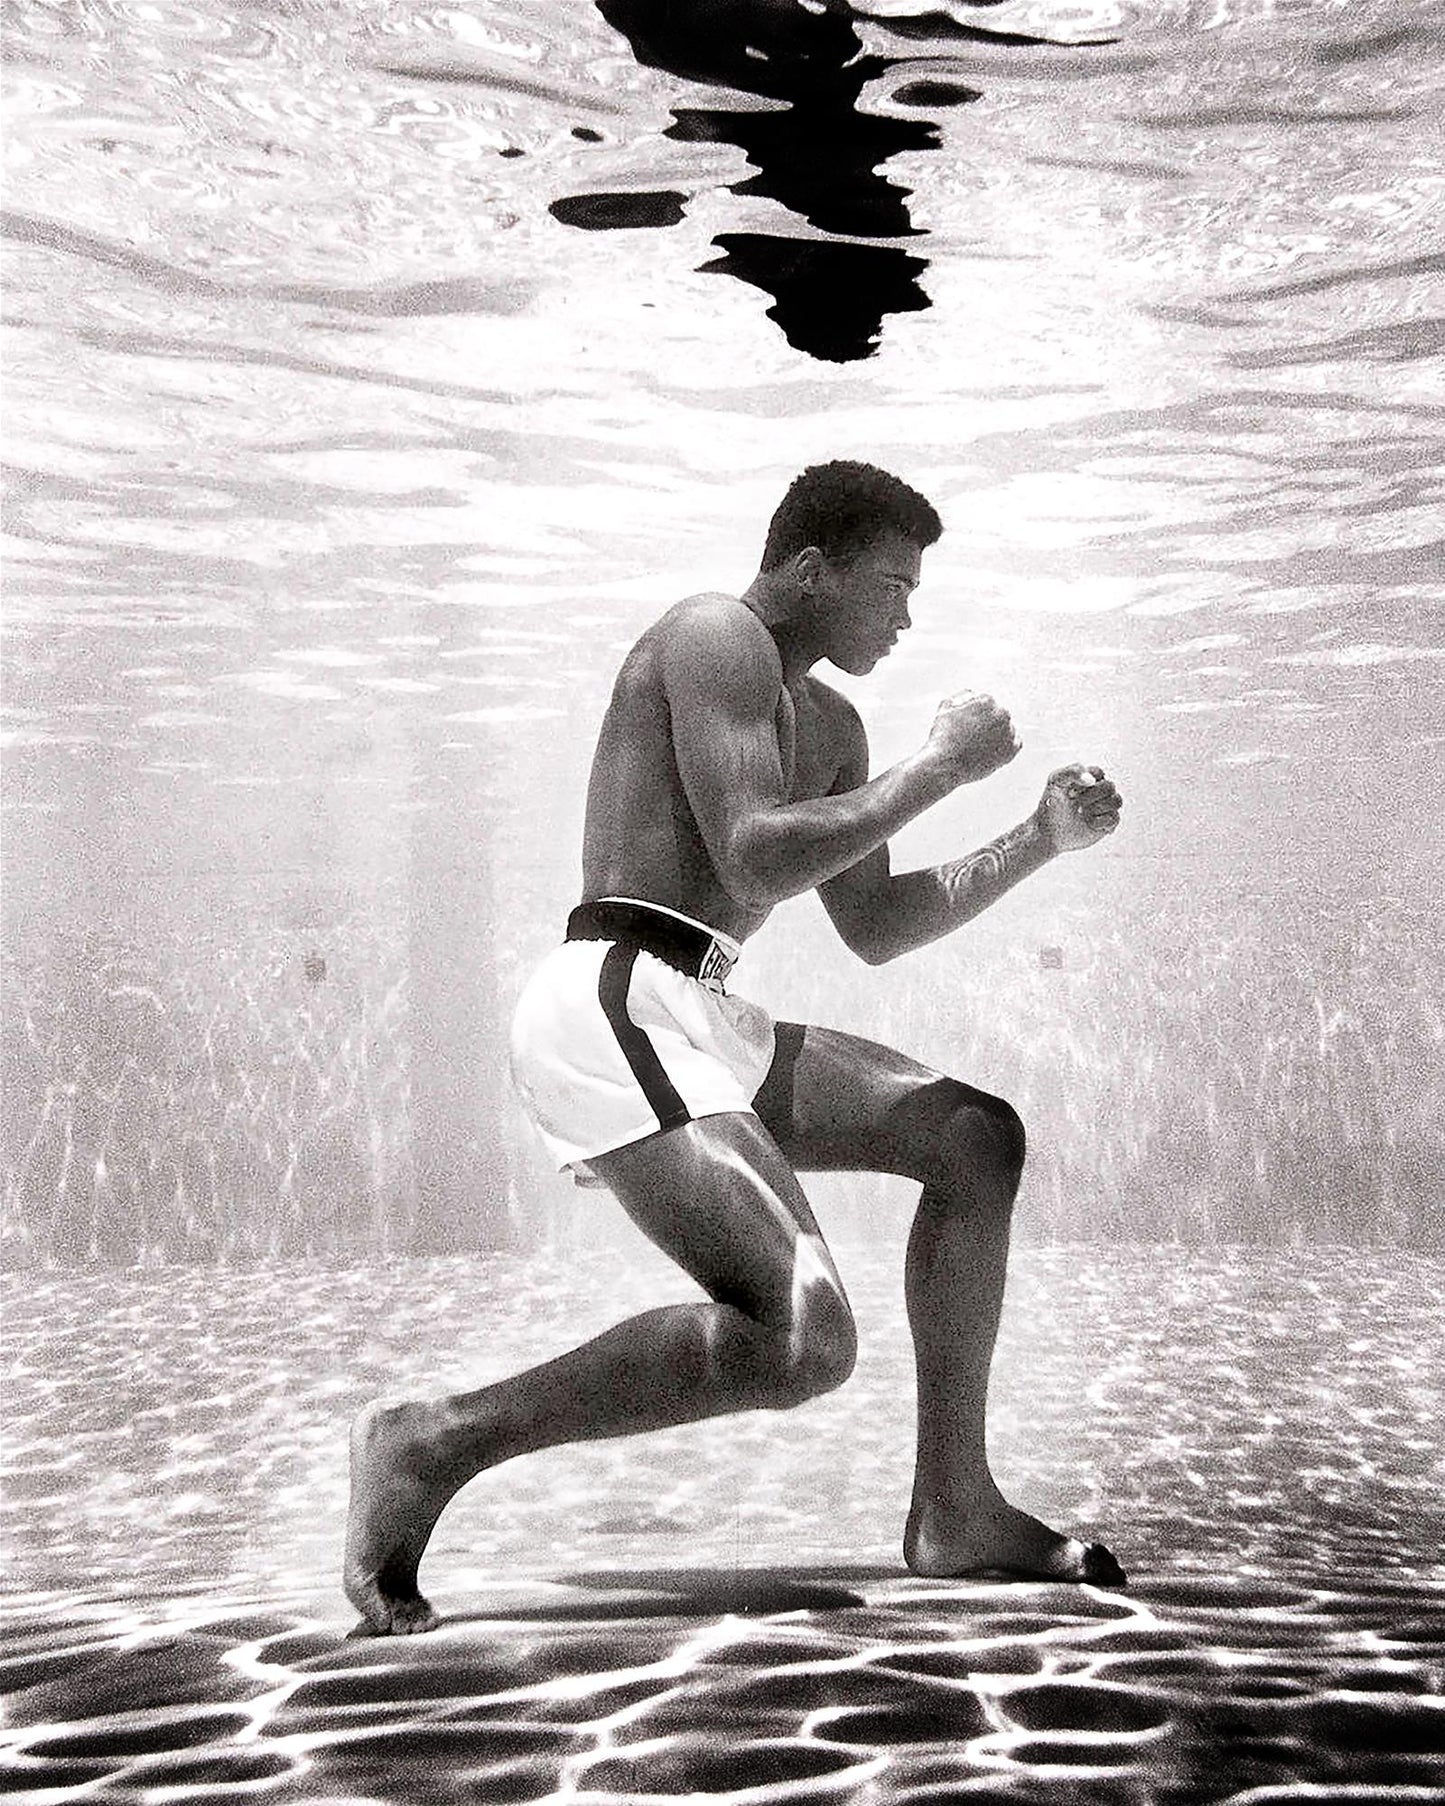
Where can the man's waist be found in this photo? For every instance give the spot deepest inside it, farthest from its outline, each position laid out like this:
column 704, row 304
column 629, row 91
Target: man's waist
column 679, row 941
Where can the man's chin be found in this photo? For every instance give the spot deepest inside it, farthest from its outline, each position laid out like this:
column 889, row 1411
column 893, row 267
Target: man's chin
column 859, row 664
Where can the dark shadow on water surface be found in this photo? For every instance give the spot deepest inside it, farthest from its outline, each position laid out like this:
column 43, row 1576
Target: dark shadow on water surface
column 619, row 212
column 819, row 154
column 829, row 299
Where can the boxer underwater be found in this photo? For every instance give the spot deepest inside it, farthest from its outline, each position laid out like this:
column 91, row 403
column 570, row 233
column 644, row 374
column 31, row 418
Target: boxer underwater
column 728, row 778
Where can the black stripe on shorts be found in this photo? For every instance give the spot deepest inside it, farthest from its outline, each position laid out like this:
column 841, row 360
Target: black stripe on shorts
column 661, row 1094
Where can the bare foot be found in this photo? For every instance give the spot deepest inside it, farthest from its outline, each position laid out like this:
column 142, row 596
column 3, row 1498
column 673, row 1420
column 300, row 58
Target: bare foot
column 997, row 1538
column 396, row 1500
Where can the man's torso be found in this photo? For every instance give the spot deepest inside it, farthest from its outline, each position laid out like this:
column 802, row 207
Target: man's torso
column 642, row 839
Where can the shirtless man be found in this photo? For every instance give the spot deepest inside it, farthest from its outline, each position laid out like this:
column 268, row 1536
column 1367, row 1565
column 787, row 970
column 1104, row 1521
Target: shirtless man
column 726, row 779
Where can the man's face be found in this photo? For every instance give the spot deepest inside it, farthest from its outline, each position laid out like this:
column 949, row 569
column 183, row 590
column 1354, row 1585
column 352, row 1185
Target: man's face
column 863, row 601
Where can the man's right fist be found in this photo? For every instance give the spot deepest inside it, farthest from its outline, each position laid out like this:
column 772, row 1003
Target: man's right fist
column 973, row 736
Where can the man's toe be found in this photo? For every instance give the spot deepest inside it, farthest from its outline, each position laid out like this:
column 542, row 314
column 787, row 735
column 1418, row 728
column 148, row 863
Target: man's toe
column 1101, row 1569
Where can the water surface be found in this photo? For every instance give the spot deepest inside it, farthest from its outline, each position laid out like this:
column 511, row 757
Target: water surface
column 375, row 375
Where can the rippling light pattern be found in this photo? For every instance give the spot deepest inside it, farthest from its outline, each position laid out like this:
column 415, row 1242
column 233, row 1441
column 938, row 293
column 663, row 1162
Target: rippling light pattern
column 881, row 1690
column 719, row 1611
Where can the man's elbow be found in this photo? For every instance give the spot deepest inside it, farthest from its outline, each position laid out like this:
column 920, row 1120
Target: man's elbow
column 871, row 942
column 751, row 876
column 752, row 890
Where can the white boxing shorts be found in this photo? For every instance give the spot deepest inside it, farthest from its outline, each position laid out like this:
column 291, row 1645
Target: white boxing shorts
column 625, row 1030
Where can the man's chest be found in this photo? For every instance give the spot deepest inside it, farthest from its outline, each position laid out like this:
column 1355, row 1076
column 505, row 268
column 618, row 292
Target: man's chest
column 805, row 744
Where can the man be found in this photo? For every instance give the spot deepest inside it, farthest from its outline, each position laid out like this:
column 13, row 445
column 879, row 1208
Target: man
column 727, row 778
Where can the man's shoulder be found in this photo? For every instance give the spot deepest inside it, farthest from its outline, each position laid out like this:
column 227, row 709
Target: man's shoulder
column 711, row 634
column 710, row 613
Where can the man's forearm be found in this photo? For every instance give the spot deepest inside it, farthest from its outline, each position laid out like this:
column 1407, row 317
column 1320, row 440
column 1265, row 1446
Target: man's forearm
column 784, row 851
column 922, row 906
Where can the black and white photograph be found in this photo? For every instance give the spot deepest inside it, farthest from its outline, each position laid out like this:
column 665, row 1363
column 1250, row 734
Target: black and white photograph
column 723, row 784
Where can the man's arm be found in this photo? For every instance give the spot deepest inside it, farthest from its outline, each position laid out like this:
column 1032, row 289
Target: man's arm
column 723, row 681
column 881, row 915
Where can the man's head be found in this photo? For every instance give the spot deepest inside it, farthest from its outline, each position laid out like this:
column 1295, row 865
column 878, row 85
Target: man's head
column 840, row 507
column 846, row 541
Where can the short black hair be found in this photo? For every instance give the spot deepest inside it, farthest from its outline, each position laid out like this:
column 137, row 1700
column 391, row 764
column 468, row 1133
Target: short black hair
column 842, row 506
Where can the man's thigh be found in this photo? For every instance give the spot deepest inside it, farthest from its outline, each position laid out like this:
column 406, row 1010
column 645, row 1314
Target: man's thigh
column 835, row 1102
column 718, row 1196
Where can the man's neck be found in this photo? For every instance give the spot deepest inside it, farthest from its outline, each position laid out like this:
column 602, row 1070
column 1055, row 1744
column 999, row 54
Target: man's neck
column 778, row 604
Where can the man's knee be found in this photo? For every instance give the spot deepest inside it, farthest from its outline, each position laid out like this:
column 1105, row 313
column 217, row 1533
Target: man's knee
column 981, row 1143
column 1008, row 1136
column 816, row 1355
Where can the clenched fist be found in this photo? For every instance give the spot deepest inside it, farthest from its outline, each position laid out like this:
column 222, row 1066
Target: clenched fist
column 973, row 736
column 1080, row 805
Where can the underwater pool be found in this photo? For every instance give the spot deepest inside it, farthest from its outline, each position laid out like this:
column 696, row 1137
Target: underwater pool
column 375, row 374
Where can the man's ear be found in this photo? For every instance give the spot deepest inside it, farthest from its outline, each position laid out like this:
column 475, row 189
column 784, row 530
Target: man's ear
column 809, row 567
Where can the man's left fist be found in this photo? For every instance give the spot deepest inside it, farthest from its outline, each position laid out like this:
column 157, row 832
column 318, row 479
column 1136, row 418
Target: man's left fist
column 1079, row 806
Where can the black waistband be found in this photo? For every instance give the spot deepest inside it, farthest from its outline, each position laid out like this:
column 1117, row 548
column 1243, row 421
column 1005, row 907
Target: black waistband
column 678, row 944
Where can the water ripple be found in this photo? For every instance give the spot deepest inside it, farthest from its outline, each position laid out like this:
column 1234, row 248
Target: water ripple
column 1398, row 342
column 1428, row 263
column 446, row 295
